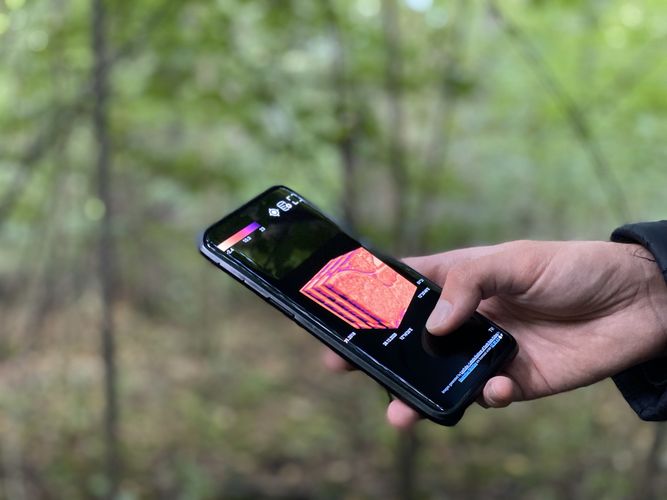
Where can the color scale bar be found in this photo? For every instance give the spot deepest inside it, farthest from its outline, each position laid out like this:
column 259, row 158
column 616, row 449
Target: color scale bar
column 238, row 236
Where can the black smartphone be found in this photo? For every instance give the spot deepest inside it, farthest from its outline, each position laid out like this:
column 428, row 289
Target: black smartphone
column 369, row 308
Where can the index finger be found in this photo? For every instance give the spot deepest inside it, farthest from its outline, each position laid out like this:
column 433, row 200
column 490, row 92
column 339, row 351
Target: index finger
column 401, row 416
column 435, row 267
column 334, row 362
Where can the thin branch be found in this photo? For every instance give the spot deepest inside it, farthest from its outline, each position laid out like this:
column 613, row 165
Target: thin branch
column 347, row 119
column 642, row 66
column 574, row 114
column 437, row 145
column 396, row 118
column 64, row 117
column 54, row 131
column 106, row 253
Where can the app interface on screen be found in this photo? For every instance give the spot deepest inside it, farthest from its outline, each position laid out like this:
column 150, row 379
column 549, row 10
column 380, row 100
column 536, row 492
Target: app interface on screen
column 376, row 307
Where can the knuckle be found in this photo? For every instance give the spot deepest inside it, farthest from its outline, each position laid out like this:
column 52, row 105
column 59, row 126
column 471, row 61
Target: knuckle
column 519, row 245
column 460, row 274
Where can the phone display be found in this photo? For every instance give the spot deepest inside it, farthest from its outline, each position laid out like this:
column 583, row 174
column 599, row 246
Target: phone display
column 371, row 309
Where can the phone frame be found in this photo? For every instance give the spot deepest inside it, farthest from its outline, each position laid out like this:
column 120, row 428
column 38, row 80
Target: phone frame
column 391, row 381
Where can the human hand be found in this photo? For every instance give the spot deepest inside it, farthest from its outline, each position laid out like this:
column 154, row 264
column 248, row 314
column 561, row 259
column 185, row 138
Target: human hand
column 580, row 312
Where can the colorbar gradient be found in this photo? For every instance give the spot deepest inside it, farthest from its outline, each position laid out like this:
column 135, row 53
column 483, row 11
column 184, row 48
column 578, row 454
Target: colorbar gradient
column 238, row 236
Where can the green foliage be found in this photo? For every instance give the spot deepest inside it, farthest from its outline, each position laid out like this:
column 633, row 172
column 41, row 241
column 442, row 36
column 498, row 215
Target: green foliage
column 521, row 119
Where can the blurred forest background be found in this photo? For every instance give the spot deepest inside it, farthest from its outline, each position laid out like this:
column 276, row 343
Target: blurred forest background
column 130, row 368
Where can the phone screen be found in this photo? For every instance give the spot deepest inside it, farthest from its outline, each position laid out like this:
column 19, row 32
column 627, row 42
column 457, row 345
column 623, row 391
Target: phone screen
column 376, row 307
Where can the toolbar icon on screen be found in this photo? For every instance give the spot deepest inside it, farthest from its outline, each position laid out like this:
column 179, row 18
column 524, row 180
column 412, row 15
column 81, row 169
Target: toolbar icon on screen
column 274, row 212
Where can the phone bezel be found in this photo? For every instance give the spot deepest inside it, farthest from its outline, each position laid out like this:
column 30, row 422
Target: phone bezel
column 309, row 322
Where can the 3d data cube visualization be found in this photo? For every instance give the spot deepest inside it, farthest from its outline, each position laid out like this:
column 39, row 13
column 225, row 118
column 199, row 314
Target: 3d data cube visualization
column 362, row 290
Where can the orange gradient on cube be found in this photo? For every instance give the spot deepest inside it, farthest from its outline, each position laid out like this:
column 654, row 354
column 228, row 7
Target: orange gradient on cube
column 361, row 290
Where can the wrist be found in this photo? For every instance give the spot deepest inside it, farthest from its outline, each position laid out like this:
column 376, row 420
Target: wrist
column 655, row 292
column 658, row 303
column 644, row 386
column 648, row 243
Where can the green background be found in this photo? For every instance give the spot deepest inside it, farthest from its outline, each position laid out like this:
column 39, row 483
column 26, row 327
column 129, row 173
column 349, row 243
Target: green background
column 424, row 124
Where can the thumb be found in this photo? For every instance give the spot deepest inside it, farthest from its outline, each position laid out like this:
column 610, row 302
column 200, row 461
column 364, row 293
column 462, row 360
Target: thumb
column 508, row 272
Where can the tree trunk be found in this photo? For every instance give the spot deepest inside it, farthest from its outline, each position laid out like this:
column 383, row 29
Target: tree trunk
column 407, row 446
column 106, row 251
column 395, row 119
column 650, row 478
column 347, row 119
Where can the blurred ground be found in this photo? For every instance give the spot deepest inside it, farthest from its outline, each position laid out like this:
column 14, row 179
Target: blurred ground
column 249, row 412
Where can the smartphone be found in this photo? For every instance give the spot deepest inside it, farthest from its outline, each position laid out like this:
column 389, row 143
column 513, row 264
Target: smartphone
column 369, row 308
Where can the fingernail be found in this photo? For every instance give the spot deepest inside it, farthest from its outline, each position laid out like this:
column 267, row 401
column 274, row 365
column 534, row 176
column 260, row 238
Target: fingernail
column 439, row 314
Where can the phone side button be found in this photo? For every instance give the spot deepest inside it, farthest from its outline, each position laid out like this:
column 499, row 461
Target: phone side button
column 281, row 308
column 256, row 288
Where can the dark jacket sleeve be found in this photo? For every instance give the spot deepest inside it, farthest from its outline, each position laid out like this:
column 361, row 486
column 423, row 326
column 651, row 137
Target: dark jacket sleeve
column 645, row 386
